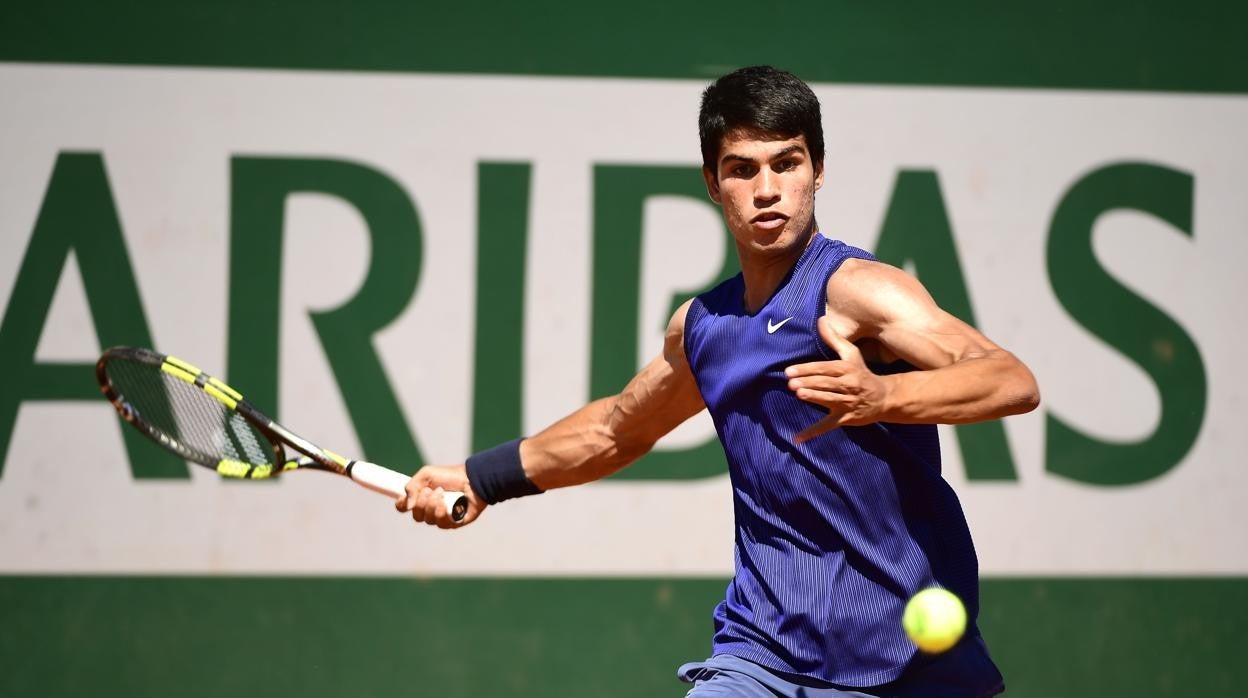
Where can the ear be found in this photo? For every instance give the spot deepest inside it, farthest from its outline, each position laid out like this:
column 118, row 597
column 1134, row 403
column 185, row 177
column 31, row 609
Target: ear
column 818, row 175
column 712, row 184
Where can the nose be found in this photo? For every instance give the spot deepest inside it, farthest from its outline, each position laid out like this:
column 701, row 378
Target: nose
column 766, row 189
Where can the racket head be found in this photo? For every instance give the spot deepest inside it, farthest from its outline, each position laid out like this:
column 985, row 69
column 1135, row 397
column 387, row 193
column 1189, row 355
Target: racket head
column 189, row 412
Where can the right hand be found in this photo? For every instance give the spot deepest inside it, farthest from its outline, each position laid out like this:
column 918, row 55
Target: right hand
column 424, row 496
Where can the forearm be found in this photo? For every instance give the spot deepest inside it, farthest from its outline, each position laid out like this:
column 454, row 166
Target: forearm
column 980, row 387
column 579, row 448
column 608, row 434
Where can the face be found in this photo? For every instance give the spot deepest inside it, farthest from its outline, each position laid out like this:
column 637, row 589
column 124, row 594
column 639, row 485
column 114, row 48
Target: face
column 766, row 188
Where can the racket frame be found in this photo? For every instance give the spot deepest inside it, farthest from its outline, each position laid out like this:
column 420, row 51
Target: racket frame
column 278, row 436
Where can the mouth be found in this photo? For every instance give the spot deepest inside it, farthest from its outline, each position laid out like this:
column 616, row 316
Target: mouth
column 769, row 220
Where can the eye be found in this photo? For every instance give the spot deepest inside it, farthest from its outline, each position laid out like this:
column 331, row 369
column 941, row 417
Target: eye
column 785, row 165
column 743, row 171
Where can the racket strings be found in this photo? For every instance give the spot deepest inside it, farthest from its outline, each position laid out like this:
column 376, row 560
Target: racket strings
column 208, row 431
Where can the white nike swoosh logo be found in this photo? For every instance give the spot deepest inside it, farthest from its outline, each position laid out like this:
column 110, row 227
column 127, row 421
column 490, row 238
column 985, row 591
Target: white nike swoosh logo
column 771, row 329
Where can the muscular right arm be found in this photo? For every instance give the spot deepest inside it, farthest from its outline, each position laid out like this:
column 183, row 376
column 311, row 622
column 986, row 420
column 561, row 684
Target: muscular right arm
column 608, row 434
column 589, row 444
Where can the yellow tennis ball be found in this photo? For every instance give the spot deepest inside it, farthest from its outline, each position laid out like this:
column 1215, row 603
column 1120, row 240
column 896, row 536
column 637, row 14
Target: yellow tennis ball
column 934, row 619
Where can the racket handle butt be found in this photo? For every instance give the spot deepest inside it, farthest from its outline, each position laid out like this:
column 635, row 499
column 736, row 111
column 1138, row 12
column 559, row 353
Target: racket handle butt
column 456, row 504
column 394, row 484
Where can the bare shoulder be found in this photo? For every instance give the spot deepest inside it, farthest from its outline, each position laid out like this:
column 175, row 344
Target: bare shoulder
column 886, row 308
column 865, row 295
column 674, row 336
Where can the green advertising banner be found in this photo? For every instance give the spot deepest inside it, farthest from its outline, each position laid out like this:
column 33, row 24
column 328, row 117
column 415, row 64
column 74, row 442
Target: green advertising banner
column 412, row 233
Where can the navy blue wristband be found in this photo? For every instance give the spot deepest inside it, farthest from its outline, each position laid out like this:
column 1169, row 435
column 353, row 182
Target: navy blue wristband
column 496, row 474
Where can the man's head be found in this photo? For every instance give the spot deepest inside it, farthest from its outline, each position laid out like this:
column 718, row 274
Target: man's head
column 762, row 149
column 762, row 100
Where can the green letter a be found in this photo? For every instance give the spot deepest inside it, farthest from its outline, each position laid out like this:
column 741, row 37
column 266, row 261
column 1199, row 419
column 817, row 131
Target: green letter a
column 77, row 216
column 916, row 229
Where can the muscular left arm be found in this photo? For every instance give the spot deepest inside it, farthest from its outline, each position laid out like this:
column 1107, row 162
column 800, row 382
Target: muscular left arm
column 964, row 377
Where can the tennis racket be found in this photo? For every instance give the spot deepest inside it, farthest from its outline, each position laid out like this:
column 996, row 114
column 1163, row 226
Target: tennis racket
column 205, row 421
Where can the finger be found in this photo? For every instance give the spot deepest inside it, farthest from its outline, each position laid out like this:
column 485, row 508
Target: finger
column 412, row 490
column 833, row 384
column 419, row 505
column 441, row 516
column 404, row 503
column 843, row 347
column 839, row 402
column 430, row 505
column 817, row 368
column 820, row 427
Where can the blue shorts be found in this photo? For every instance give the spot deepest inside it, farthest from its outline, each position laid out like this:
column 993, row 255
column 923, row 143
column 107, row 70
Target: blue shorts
column 726, row 675
column 965, row 671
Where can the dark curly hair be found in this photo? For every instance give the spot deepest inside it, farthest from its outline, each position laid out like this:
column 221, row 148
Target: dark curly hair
column 758, row 99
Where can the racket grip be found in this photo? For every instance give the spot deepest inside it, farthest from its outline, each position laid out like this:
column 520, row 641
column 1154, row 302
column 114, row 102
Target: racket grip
column 393, row 483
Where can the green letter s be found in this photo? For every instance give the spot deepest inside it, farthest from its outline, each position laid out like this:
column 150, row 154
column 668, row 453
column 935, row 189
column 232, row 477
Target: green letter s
column 1130, row 324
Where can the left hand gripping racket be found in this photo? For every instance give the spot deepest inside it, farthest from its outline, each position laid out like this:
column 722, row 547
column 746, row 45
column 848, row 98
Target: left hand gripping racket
column 205, row 421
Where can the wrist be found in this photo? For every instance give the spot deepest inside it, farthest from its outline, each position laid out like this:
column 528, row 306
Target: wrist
column 892, row 401
column 496, row 474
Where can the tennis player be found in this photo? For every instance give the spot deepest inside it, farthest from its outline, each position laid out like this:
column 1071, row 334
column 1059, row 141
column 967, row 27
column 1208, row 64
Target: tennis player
column 825, row 372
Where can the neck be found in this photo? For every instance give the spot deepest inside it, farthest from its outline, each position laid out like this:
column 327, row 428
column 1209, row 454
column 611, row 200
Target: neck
column 763, row 270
